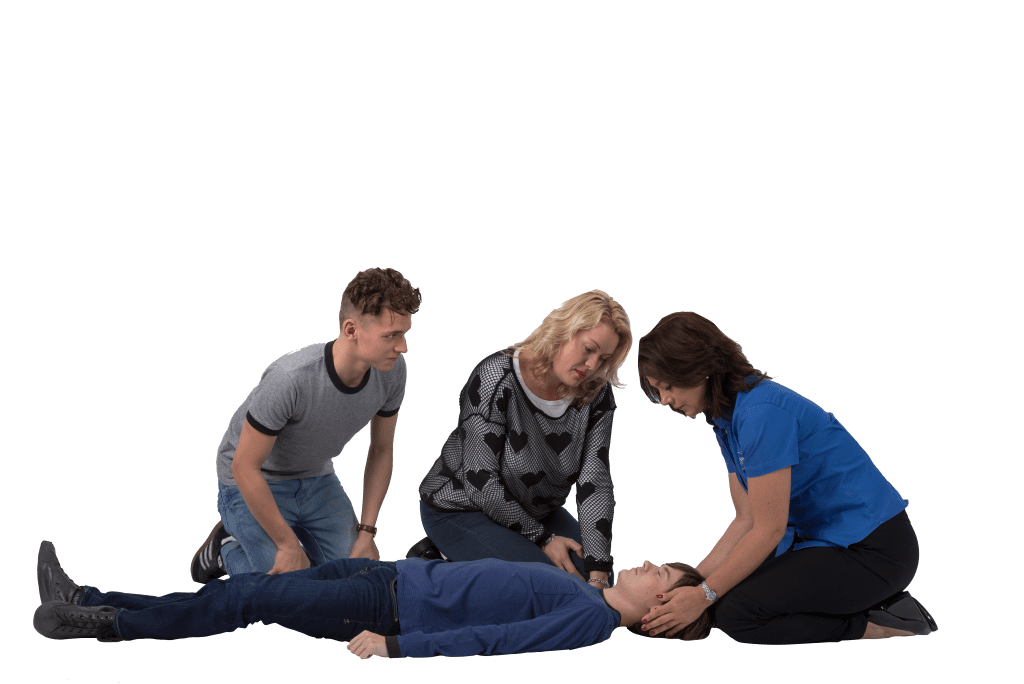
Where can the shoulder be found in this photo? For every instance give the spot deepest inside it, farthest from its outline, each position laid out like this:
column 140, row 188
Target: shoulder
column 492, row 370
column 295, row 364
column 486, row 379
column 604, row 401
column 770, row 400
column 500, row 361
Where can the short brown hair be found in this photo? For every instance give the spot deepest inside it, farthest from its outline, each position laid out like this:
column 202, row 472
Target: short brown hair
column 376, row 289
column 684, row 349
column 699, row 628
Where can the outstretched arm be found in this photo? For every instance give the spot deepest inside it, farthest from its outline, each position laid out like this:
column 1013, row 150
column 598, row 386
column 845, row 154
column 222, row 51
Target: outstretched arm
column 595, row 500
column 368, row 644
column 571, row 626
column 376, row 480
column 769, row 506
column 252, row 451
column 740, row 525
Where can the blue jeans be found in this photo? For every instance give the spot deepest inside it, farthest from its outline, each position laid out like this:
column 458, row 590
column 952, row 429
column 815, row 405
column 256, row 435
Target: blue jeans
column 316, row 508
column 337, row 600
column 471, row 535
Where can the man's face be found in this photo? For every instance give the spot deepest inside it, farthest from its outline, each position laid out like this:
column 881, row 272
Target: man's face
column 643, row 583
column 381, row 339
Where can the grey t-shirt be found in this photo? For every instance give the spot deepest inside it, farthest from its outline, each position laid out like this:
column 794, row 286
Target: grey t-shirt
column 301, row 400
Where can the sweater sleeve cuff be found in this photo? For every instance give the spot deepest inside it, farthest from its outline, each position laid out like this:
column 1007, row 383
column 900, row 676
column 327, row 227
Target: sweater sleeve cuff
column 391, row 644
column 590, row 565
column 545, row 534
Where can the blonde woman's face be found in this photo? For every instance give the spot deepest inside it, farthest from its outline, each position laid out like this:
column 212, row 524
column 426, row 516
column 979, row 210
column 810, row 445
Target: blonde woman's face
column 581, row 356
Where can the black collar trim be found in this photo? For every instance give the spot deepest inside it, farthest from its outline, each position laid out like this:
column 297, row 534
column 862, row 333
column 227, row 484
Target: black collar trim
column 333, row 374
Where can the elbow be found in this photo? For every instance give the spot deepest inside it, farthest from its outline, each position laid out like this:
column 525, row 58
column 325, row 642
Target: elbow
column 379, row 454
column 771, row 534
column 743, row 523
column 240, row 470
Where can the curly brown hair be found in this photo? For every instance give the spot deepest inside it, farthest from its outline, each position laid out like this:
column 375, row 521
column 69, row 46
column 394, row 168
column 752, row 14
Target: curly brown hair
column 685, row 349
column 376, row 289
column 699, row 628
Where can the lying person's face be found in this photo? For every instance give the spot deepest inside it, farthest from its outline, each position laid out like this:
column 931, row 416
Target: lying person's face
column 648, row 580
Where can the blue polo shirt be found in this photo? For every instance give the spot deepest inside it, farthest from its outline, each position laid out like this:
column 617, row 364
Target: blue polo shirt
column 837, row 495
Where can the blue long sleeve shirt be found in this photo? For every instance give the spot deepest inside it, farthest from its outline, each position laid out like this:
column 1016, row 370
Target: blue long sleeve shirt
column 492, row 607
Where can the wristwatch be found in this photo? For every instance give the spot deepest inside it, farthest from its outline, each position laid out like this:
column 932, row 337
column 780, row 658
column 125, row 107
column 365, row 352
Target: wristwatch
column 712, row 596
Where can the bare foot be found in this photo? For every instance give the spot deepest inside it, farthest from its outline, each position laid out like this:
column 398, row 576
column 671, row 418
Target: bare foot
column 878, row 632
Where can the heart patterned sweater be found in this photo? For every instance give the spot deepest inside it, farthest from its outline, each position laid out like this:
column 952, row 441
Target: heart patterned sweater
column 513, row 462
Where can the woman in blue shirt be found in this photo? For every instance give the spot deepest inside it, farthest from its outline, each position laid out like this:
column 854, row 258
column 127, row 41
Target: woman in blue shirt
column 821, row 548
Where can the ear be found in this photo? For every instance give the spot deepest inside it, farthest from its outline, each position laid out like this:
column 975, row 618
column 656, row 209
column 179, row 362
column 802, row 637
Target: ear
column 349, row 328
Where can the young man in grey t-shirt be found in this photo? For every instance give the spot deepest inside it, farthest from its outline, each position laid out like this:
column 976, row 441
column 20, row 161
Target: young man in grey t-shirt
column 281, row 505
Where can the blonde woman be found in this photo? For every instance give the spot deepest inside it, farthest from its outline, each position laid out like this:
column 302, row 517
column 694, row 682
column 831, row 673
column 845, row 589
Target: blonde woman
column 534, row 420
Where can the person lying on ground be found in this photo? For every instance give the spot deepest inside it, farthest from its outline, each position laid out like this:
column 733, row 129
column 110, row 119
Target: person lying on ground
column 411, row 608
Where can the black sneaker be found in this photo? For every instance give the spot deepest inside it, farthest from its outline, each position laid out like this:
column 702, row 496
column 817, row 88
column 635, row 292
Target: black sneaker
column 903, row 611
column 60, row 620
column 54, row 584
column 426, row 550
column 207, row 564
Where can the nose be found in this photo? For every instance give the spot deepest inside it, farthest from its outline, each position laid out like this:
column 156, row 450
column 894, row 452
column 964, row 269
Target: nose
column 648, row 565
column 402, row 347
column 664, row 398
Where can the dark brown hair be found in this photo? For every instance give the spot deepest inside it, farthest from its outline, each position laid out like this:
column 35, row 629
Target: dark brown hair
column 684, row 349
column 376, row 289
column 699, row 628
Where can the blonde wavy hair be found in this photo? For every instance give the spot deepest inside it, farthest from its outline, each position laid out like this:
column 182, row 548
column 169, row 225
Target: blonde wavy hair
column 582, row 312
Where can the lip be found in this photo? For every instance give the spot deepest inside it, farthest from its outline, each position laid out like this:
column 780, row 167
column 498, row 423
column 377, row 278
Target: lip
column 581, row 374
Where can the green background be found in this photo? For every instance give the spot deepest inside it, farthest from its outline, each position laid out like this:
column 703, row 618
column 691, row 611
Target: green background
column 187, row 187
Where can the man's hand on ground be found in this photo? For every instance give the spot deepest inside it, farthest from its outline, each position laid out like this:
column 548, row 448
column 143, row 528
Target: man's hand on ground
column 367, row 644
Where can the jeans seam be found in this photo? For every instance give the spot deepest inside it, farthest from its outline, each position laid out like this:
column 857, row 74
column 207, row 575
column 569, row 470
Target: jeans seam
column 394, row 598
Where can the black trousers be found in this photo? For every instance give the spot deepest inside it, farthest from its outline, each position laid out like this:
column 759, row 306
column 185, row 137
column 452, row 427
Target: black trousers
column 820, row 593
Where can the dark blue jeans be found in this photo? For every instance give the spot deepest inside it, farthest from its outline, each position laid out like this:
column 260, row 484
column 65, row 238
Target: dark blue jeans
column 471, row 535
column 337, row 600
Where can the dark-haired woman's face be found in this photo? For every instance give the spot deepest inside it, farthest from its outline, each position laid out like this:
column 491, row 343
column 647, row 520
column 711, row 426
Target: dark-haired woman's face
column 686, row 400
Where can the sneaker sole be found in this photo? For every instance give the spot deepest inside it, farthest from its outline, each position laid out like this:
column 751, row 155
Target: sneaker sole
column 196, row 569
